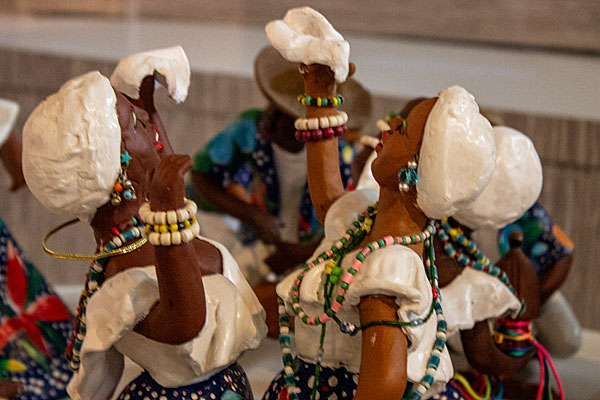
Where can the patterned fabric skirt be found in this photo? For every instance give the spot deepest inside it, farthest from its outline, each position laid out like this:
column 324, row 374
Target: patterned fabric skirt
column 229, row 384
column 35, row 326
column 333, row 384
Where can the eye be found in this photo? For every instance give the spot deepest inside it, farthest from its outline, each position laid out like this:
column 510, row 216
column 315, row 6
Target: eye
column 401, row 128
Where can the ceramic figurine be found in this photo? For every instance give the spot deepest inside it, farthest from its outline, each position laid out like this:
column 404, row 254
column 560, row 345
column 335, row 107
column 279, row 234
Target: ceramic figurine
column 475, row 290
column 551, row 251
column 254, row 173
column 172, row 301
column 368, row 318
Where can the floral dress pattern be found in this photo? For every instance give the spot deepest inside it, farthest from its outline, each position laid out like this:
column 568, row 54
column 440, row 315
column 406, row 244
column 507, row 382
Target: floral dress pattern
column 543, row 241
column 34, row 327
column 240, row 155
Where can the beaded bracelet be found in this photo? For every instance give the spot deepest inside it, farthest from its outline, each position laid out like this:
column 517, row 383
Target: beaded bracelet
column 174, row 238
column 320, row 101
column 316, row 135
column 168, row 217
column 175, row 227
column 303, row 124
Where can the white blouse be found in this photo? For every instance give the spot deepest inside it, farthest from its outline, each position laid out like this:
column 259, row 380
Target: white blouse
column 393, row 271
column 234, row 323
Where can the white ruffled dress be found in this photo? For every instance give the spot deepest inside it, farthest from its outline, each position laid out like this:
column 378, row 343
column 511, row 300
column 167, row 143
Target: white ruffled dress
column 392, row 271
column 234, row 323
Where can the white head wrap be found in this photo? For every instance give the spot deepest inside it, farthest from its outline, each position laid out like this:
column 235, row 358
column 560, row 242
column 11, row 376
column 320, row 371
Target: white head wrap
column 171, row 64
column 515, row 185
column 305, row 36
column 457, row 156
column 9, row 110
column 71, row 147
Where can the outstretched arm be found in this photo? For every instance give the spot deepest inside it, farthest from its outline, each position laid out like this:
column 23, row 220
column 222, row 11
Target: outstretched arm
column 265, row 225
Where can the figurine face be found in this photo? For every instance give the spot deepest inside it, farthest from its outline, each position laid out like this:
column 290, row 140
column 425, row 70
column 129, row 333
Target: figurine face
column 399, row 147
column 139, row 138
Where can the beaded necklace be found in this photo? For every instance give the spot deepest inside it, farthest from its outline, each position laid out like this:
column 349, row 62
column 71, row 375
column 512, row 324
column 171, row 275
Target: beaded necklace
column 520, row 331
column 95, row 279
column 334, row 275
column 475, row 259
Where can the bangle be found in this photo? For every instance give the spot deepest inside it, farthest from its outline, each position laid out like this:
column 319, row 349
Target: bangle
column 174, row 238
column 304, row 124
column 316, row 135
column 175, row 227
column 168, row 217
column 320, row 101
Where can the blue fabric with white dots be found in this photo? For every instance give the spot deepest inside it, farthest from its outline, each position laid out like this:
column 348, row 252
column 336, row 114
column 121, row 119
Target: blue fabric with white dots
column 229, row 384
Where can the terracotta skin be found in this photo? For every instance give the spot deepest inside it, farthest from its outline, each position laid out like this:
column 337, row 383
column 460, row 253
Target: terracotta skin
column 10, row 389
column 277, row 128
column 384, row 348
column 158, row 176
column 10, row 155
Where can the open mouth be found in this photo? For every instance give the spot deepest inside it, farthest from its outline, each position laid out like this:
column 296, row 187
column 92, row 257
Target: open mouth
column 378, row 147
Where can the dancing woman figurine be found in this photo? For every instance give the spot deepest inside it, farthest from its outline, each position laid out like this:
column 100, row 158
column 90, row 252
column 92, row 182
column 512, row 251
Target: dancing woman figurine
column 177, row 306
column 369, row 275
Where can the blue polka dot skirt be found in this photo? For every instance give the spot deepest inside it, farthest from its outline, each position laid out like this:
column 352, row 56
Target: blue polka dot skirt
column 229, row 384
column 333, row 384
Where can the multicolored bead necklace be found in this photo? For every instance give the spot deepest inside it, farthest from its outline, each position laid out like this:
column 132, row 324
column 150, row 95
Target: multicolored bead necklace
column 475, row 259
column 520, row 331
column 94, row 280
column 334, row 275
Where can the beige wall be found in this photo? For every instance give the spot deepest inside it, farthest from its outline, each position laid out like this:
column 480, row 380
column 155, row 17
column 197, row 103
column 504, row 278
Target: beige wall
column 555, row 24
column 569, row 150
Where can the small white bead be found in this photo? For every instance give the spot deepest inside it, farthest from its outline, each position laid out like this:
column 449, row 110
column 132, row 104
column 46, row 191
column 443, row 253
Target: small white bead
column 313, row 123
column 182, row 215
column 298, row 124
column 117, row 242
column 332, row 121
column 165, row 239
column 430, row 371
column 160, row 218
column 284, row 330
column 176, row 238
column 171, row 217
column 324, row 122
column 186, row 235
column 154, row 238
column 281, row 309
column 195, row 228
column 191, row 207
column 92, row 285
column 149, row 219
column 144, row 211
column 344, row 116
column 421, row 389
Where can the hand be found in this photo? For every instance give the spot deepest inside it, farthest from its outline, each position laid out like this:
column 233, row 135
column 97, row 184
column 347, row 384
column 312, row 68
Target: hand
column 266, row 226
column 290, row 255
column 167, row 190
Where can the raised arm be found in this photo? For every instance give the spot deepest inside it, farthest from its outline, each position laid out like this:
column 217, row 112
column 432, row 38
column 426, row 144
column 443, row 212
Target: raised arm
column 181, row 311
column 324, row 179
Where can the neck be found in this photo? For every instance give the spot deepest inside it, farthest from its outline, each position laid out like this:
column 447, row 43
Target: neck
column 397, row 214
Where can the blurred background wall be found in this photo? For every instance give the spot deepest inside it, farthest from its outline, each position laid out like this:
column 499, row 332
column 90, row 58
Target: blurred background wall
column 534, row 64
